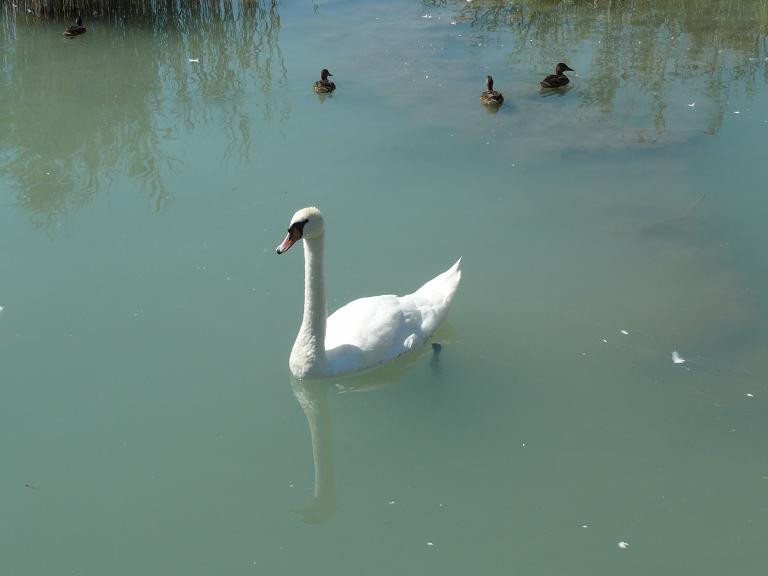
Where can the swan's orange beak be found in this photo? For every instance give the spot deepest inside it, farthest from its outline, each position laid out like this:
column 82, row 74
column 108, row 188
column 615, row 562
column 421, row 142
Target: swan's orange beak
column 293, row 235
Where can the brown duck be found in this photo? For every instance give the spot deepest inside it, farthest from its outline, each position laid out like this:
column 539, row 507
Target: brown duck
column 75, row 30
column 558, row 79
column 491, row 97
column 324, row 86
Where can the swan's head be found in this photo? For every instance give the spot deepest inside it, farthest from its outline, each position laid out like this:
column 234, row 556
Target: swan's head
column 306, row 223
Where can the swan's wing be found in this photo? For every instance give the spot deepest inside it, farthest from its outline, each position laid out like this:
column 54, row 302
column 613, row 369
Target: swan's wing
column 368, row 332
column 366, row 323
column 371, row 331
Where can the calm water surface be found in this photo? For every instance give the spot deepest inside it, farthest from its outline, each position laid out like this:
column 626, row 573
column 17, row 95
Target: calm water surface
column 148, row 422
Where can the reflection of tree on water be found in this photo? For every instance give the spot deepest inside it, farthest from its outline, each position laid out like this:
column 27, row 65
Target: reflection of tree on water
column 148, row 94
column 647, row 47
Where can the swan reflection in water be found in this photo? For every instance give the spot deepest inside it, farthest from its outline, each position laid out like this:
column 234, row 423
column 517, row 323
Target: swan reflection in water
column 313, row 399
column 312, row 396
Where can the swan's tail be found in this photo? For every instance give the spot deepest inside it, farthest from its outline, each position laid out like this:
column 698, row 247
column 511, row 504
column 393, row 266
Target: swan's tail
column 441, row 289
column 434, row 297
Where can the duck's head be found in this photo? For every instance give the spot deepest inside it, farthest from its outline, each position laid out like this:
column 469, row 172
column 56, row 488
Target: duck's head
column 489, row 82
column 562, row 67
column 306, row 223
column 79, row 21
column 324, row 74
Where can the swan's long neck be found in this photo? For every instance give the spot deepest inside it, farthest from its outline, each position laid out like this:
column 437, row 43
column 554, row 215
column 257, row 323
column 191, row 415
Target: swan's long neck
column 315, row 313
column 308, row 354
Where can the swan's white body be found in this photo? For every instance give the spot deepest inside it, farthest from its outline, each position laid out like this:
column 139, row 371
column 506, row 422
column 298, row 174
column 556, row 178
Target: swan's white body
column 366, row 332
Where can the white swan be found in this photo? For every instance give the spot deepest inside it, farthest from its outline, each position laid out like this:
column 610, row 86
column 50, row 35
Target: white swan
column 366, row 332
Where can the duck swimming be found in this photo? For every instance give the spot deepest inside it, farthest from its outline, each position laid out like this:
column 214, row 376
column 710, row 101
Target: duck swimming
column 491, row 97
column 366, row 332
column 75, row 30
column 324, row 86
column 558, row 79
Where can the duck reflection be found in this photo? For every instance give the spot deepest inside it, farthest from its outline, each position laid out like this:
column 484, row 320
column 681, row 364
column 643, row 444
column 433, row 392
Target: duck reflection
column 312, row 396
column 559, row 92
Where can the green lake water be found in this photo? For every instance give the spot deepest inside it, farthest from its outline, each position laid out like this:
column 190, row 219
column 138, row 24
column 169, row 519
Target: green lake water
column 148, row 168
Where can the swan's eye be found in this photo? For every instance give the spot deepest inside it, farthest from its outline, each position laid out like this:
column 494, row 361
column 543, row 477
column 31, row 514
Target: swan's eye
column 298, row 226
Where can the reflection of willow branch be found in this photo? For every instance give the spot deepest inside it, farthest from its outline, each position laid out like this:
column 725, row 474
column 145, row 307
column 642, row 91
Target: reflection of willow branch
column 229, row 71
column 490, row 15
column 645, row 49
column 58, row 163
column 58, row 160
column 38, row 188
column 268, row 48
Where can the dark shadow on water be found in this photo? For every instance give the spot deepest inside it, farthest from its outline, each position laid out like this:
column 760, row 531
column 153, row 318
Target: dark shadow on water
column 434, row 362
column 549, row 92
